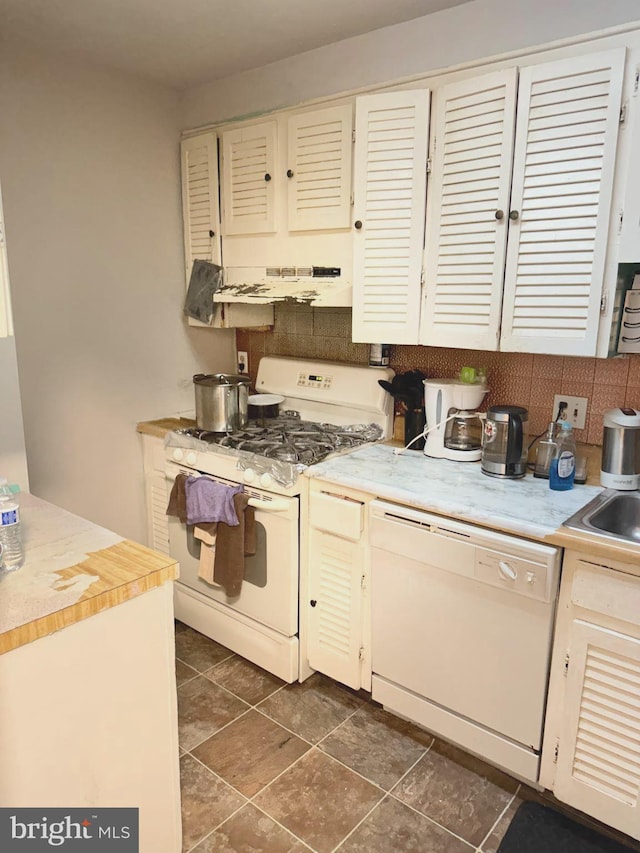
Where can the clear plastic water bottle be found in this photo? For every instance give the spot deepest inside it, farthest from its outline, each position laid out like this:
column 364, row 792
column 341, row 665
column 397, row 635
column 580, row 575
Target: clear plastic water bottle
column 10, row 533
column 563, row 465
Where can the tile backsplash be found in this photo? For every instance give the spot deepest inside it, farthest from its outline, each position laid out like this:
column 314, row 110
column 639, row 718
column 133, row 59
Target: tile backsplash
column 520, row 379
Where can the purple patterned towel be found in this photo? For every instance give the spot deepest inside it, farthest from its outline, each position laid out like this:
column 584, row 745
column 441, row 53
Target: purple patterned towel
column 209, row 501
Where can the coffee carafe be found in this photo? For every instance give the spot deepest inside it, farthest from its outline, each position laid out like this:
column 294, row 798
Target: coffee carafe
column 504, row 446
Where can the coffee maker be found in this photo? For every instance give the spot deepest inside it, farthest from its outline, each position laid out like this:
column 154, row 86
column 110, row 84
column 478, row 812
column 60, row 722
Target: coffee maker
column 454, row 427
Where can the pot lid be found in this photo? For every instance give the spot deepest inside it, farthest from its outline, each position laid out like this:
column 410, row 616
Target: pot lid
column 221, row 379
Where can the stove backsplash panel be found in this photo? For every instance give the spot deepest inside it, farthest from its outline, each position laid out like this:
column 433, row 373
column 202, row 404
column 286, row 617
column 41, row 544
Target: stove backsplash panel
column 519, row 379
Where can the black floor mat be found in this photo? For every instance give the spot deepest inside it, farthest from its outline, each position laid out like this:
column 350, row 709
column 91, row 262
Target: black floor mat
column 538, row 829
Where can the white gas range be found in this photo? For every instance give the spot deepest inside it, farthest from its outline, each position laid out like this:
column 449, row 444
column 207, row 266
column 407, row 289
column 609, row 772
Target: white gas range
column 328, row 408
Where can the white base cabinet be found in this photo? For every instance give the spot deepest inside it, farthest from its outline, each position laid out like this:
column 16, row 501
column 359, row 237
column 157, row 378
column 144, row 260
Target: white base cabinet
column 156, row 494
column 591, row 751
column 335, row 606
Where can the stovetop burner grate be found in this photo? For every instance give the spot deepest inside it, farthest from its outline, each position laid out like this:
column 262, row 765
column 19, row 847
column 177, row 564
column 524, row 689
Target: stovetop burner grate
column 290, row 439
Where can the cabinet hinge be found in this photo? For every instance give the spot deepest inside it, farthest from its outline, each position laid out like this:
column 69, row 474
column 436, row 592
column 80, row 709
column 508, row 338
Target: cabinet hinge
column 636, row 81
column 620, row 221
column 603, row 303
column 422, row 277
column 361, row 653
column 428, row 165
column 566, row 665
column 351, row 200
column 556, row 751
column 623, row 113
column 353, row 135
column 363, row 582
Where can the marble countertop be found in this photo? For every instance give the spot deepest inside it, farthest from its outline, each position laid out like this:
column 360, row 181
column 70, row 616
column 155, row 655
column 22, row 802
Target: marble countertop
column 73, row 569
column 456, row 489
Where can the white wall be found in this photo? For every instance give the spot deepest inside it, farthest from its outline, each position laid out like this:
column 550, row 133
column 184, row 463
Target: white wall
column 13, row 461
column 89, row 163
column 466, row 33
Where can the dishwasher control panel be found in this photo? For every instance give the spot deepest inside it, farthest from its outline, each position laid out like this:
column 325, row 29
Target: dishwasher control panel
column 509, row 572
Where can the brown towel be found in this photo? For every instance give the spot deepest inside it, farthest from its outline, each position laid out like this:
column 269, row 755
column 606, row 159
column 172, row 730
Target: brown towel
column 232, row 544
column 178, row 498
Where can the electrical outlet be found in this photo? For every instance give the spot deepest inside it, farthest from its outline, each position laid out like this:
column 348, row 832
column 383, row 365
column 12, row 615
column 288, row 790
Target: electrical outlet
column 243, row 362
column 575, row 411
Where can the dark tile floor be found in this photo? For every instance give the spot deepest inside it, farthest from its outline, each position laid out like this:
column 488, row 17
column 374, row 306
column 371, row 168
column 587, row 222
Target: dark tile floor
column 289, row 768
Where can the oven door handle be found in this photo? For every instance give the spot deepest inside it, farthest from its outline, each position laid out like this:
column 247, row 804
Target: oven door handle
column 269, row 506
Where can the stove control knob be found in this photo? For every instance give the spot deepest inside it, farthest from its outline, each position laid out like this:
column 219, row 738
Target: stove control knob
column 265, row 480
column 191, row 458
column 249, row 475
column 178, row 454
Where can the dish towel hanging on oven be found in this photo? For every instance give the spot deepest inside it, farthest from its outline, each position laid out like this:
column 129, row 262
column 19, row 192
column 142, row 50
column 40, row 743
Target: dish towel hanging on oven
column 206, row 533
column 223, row 522
column 233, row 544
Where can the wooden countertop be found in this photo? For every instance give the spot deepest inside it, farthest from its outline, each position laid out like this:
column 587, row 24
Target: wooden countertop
column 73, row 569
column 162, row 426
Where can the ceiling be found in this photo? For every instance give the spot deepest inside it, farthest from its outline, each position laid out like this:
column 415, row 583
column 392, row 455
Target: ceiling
column 184, row 43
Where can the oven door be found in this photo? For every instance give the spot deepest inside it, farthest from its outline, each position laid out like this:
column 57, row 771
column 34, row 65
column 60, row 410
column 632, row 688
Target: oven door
column 269, row 592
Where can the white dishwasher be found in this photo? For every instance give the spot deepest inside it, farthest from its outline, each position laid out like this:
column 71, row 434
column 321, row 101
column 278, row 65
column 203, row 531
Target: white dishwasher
column 462, row 627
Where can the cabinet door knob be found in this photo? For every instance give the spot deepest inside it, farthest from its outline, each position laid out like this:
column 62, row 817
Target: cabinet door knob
column 514, row 214
column 267, row 177
column 313, row 602
column 499, row 214
column 212, row 233
column 289, row 173
column 357, row 224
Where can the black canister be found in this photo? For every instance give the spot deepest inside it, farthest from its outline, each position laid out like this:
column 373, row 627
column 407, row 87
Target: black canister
column 414, row 424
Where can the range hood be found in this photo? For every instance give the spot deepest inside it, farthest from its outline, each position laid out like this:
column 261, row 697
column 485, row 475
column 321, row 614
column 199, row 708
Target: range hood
column 317, row 286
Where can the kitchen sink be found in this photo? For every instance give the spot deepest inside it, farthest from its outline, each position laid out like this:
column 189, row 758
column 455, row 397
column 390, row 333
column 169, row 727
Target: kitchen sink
column 613, row 514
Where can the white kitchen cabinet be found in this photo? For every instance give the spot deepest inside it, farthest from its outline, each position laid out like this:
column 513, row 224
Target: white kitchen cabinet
column 630, row 231
column 248, row 172
column 549, row 228
column 286, row 207
column 390, row 177
column 155, row 493
column 467, row 211
column 319, row 155
column 313, row 184
column 591, row 750
column 201, row 222
column 337, row 582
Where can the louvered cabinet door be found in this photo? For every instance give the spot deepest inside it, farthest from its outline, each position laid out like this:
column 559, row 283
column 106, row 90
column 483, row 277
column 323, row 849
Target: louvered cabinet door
column 599, row 747
column 200, row 206
column 467, row 211
column 319, row 169
column 566, row 134
column 157, row 520
column 248, row 179
column 389, row 206
column 335, row 606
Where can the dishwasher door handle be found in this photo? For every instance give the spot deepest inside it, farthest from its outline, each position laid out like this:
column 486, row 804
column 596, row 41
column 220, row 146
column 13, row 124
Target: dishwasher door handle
column 507, row 571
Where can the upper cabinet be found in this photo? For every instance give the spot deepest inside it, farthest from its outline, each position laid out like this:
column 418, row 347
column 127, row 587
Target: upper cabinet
column 201, row 223
column 468, row 211
column 518, row 222
column 390, row 176
column 565, row 151
column 248, row 171
column 319, row 169
column 200, row 207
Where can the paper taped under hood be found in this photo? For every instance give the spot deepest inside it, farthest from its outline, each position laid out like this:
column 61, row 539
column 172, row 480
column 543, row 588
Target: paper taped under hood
column 317, row 286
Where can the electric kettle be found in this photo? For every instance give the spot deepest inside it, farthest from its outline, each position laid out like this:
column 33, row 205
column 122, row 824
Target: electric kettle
column 504, row 447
